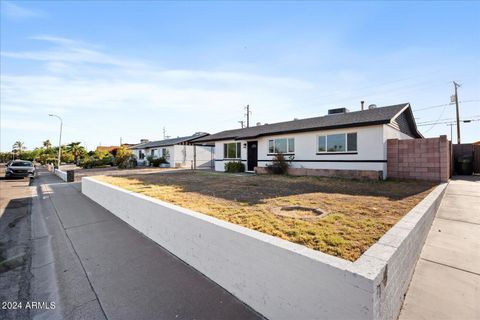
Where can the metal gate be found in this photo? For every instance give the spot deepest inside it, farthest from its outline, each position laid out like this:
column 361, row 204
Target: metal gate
column 466, row 155
column 476, row 158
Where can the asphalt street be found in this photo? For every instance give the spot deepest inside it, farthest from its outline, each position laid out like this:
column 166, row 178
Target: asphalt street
column 91, row 265
column 15, row 244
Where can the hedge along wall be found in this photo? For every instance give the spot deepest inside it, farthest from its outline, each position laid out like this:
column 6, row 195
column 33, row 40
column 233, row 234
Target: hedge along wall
column 423, row 159
column 277, row 278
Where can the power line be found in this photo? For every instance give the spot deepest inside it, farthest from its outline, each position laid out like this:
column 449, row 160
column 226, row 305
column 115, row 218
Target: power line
column 445, row 104
column 427, row 122
column 439, row 117
column 448, row 122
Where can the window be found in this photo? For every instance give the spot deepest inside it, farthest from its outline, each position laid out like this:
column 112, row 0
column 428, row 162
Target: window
column 165, row 153
column 341, row 142
column 232, row 150
column 336, row 143
column 322, row 143
column 352, row 141
column 282, row 145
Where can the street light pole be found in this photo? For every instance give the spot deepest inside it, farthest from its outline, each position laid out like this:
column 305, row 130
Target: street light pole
column 59, row 139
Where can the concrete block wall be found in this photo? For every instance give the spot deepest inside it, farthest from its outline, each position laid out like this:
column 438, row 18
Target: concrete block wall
column 422, row 159
column 277, row 278
column 399, row 249
column 349, row 174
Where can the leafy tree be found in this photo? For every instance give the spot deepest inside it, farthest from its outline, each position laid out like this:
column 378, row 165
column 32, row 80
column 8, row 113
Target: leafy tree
column 47, row 144
column 123, row 157
column 5, row 156
column 18, row 147
column 76, row 150
column 100, row 155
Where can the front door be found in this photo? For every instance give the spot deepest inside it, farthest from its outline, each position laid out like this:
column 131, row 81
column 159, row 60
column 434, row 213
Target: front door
column 252, row 155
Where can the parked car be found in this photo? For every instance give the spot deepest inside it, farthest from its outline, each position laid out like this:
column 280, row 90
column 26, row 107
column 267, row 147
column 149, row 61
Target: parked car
column 21, row 169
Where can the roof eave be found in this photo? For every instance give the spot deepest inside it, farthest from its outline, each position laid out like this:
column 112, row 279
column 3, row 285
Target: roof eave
column 352, row 125
column 411, row 119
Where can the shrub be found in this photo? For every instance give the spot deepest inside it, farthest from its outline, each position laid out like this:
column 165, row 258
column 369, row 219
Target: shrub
column 132, row 163
column 150, row 160
column 279, row 164
column 124, row 157
column 102, row 154
column 87, row 162
column 107, row 161
column 234, row 166
column 157, row 162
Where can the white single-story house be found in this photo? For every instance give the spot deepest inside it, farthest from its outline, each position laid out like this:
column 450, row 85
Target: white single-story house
column 355, row 142
column 179, row 152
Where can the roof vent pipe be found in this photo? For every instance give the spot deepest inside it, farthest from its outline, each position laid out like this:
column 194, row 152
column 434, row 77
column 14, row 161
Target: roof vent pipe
column 362, row 103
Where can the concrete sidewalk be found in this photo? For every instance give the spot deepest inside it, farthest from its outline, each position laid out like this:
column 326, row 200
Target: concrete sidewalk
column 446, row 282
column 104, row 269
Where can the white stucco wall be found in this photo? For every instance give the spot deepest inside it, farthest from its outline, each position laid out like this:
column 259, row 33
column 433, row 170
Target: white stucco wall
column 184, row 156
column 218, row 156
column 280, row 279
column 370, row 147
column 61, row 174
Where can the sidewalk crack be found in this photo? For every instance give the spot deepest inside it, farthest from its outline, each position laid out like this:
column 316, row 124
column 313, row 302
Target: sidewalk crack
column 449, row 266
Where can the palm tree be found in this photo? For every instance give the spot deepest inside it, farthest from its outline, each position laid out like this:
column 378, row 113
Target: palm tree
column 47, row 144
column 76, row 149
column 18, row 147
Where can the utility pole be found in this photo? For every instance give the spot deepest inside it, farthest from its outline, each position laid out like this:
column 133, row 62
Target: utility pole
column 456, row 85
column 248, row 115
column 165, row 134
column 241, row 123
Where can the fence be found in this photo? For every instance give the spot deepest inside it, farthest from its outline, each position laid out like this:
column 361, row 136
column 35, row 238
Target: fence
column 466, row 149
column 423, row 159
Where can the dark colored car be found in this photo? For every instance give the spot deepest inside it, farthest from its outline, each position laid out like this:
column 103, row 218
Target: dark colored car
column 20, row 169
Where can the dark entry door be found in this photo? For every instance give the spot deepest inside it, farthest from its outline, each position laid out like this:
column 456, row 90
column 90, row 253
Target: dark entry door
column 252, row 155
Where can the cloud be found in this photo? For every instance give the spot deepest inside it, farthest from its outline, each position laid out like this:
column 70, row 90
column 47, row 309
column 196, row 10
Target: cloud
column 13, row 10
column 79, row 77
column 22, row 125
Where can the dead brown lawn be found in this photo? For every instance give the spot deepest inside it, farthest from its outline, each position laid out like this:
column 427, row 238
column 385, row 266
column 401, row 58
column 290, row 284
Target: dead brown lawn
column 359, row 212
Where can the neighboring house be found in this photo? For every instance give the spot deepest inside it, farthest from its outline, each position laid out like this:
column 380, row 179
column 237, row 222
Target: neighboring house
column 341, row 140
column 179, row 152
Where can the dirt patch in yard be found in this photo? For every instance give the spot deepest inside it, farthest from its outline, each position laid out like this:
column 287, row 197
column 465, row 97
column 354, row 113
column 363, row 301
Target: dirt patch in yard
column 356, row 213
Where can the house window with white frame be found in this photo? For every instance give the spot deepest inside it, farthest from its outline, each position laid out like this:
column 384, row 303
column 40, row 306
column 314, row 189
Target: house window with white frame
column 281, row 145
column 337, row 143
column 232, row 150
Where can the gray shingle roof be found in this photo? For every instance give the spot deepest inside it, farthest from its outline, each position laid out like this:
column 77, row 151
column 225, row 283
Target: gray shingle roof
column 380, row 115
column 168, row 142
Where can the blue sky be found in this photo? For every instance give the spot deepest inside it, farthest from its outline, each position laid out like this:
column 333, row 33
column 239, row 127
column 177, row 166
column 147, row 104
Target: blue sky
column 128, row 69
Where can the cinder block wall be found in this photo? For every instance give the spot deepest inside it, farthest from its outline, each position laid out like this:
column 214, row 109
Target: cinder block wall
column 423, row 159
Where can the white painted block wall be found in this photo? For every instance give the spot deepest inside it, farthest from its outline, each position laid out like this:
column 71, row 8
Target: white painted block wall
column 61, row 174
column 277, row 278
